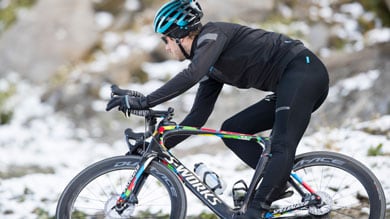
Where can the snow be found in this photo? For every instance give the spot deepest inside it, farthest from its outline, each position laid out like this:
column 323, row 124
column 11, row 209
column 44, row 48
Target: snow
column 382, row 124
column 41, row 137
column 164, row 70
column 4, row 4
column 345, row 24
column 103, row 20
column 361, row 81
column 355, row 9
column 378, row 36
column 132, row 5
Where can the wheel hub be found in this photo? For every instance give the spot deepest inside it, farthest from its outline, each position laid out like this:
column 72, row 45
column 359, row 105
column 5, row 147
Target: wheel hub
column 110, row 210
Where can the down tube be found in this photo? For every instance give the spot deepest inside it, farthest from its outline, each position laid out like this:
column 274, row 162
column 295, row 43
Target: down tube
column 198, row 188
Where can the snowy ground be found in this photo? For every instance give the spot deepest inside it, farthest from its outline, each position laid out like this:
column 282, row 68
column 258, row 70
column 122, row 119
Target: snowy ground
column 48, row 141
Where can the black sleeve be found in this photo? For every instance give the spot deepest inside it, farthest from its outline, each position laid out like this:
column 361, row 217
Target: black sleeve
column 209, row 47
column 205, row 99
column 202, row 108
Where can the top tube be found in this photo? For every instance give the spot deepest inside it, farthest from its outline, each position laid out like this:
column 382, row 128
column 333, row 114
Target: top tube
column 175, row 130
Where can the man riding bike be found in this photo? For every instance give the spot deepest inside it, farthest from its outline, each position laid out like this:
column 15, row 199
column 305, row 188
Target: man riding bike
column 226, row 53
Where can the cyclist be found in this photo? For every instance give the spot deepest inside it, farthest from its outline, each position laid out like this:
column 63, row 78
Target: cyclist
column 227, row 53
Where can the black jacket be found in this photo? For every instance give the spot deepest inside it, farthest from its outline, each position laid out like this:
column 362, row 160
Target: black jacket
column 233, row 54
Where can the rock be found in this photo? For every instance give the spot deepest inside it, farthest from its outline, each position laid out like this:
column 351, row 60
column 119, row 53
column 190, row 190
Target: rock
column 254, row 11
column 388, row 4
column 318, row 36
column 343, row 65
column 51, row 34
column 14, row 171
column 362, row 104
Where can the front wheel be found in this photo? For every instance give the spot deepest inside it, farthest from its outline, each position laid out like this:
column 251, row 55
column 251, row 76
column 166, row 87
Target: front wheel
column 94, row 191
column 350, row 188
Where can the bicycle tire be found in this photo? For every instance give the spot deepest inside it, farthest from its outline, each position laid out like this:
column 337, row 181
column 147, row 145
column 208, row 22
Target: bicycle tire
column 354, row 190
column 95, row 190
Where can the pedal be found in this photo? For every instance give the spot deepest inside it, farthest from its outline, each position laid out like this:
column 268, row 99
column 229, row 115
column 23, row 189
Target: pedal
column 239, row 191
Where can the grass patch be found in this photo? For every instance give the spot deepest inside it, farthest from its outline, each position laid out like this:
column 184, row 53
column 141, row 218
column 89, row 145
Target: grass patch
column 8, row 14
column 375, row 150
column 5, row 93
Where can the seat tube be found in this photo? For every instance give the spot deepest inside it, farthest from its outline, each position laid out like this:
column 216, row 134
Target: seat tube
column 256, row 179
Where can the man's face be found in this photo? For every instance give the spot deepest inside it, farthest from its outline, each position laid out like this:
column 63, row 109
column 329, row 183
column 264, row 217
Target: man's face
column 173, row 48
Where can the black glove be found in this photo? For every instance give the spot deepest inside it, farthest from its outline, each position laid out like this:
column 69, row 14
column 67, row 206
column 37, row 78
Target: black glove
column 116, row 91
column 127, row 103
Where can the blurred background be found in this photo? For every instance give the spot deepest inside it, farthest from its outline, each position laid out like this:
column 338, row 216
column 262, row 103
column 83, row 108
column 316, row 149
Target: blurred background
column 58, row 59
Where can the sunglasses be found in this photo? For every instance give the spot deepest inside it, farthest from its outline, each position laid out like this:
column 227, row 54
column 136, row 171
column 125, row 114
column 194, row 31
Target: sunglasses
column 164, row 39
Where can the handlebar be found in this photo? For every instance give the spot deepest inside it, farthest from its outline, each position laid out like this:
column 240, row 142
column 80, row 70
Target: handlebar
column 162, row 113
column 151, row 114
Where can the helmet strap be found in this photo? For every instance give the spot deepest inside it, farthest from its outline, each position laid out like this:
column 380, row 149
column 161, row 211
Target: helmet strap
column 177, row 40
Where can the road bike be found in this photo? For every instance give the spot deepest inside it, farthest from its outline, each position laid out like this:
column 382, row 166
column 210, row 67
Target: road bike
column 148, row 181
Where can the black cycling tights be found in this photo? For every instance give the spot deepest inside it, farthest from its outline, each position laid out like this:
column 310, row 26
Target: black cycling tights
column 301, row 90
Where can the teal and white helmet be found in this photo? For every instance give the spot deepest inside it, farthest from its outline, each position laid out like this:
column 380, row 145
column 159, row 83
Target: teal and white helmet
column 178, row 18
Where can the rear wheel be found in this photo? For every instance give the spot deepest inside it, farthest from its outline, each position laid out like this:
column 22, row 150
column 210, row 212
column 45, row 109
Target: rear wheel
column 349, row 189
column 94, row 191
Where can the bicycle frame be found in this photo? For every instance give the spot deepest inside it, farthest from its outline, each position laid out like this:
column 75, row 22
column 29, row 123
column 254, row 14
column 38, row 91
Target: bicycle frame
column 191, row 180
column 157, row 151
